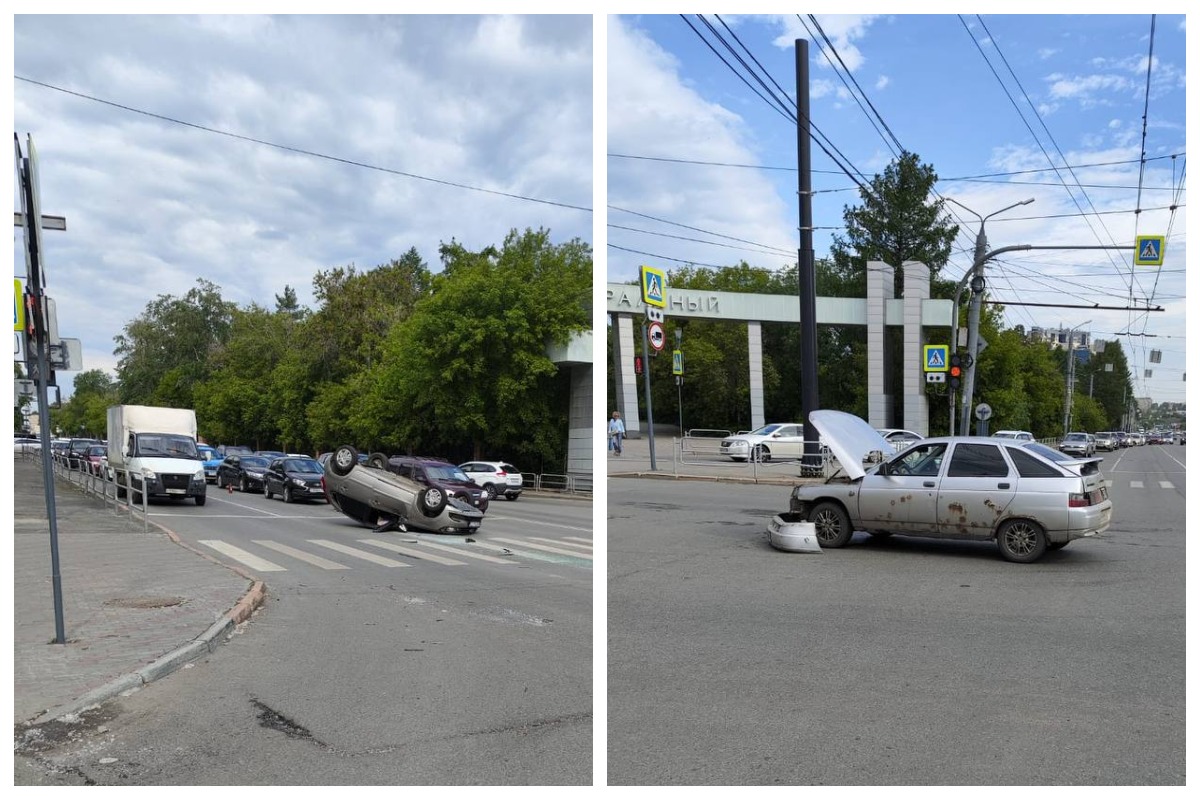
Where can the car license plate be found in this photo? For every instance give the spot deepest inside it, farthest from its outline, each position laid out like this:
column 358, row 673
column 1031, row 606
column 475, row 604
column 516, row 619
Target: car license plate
column 176, row 491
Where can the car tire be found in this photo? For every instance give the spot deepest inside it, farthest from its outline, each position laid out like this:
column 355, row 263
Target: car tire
column 489, row 491
column 761, row 453
column 244, row 485
column 431, row 500
column 287, row 494
column 377, row 460
column 832, row 524
column 200, row 499
column 513, row 497
column 1022, row 541
column 343, row 460
column 267, row 489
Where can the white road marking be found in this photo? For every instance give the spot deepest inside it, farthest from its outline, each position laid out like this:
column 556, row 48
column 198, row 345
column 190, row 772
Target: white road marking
column 238, row 554
column 1136, row 485
column 586, row 542
column 548, row 549
column 309, row 558
column 1173, row 458
column 1166, row 484
column 463, row 551
column 560, row 541
column 538, row 522
column 356, row 553
column 414, row 553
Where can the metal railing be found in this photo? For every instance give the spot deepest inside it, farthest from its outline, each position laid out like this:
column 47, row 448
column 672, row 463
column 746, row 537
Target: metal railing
column 695, row 451
column 550, row 482
column 101, row 481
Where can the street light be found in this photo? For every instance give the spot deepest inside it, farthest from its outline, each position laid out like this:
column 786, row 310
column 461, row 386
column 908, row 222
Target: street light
column 977, row 287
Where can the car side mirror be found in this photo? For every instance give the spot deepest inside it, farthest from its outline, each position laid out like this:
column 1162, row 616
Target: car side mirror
column 884, row 469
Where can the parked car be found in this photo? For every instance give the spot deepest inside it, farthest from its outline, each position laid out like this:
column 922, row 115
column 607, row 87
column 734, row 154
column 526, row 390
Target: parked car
column 1020, row 436
column 496, row 478
column 96, row 458
column 76, row 451
column 212, row 459
column 1025, row 496
column 235, row 450
column 295, row 479
column 244, row 472
column 1078, row 443
column 436, row 472
column 270, row 454
column 374, row 495
column 26, row 444
column 1106, row 440
column 899, row 439
column 777, row 440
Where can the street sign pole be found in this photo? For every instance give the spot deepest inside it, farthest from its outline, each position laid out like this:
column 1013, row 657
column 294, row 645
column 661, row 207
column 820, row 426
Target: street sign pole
column 646, row 384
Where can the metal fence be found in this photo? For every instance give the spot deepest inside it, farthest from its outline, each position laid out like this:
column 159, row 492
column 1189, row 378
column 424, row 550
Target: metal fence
column 700, row 447
column 563, row 484
column 98, row 480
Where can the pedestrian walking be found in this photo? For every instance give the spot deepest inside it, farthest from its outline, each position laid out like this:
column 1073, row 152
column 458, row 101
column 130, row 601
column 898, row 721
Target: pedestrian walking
column 616, row 432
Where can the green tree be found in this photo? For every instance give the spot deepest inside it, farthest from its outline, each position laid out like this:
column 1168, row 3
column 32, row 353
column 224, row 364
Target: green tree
column 86, row 412
column 470, row 362
column 164, row 353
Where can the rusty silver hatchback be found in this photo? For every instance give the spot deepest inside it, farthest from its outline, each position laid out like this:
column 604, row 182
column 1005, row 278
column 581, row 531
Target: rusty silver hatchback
column 979, row 488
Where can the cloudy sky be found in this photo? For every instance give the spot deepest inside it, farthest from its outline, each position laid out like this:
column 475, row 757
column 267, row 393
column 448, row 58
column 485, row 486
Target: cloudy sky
column 990, row 102
column 254, row 151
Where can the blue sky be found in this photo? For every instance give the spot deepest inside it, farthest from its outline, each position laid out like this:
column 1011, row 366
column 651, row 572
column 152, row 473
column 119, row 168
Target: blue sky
column 1079, row 83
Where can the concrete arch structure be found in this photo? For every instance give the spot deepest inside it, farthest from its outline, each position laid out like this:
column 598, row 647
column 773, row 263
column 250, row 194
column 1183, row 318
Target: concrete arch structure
column 913, row 312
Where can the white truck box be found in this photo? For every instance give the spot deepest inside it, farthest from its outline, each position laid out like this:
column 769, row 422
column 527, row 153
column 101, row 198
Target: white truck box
column 156, row 446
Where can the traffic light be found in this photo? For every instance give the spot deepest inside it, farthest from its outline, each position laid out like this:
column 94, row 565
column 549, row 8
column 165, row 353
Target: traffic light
column 637, row 365
column 955, row 371
column 31, row 314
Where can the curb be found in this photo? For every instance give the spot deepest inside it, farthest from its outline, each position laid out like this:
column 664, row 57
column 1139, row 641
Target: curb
column 203, row 645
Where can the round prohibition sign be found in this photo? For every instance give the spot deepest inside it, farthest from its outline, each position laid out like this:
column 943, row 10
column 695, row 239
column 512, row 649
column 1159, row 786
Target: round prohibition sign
column 658, row 338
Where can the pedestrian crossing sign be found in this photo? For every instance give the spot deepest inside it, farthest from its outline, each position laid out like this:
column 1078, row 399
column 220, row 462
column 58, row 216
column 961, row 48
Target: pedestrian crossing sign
column 937, row 358
column 654, row 287
column 1149, row 251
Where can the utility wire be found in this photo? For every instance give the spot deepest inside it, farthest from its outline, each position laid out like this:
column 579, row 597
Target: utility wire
column 301, row 151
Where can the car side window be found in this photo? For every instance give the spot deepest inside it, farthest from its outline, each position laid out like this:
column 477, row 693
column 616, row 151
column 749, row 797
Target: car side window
column 1030, row 467
column 405, row 471
column 924, row 460
column 977, row 461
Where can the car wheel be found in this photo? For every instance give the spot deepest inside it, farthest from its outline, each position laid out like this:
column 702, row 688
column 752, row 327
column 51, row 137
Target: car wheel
column 762, row 453
column 431, row 501
column 267, row 489
column 200, row 499
column 377, row 460
column 832, row 524
column 1021, row 540
column 513, row 497
column 344, row 459
column 245, row 485
column 489, row 491
column 287, row 494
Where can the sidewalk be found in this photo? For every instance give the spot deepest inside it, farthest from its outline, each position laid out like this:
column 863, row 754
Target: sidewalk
column 136, row 605
column 699, row 462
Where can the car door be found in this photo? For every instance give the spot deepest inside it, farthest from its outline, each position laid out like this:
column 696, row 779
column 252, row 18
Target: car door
column 976, row 488
column 787, row 442
column 901, row 496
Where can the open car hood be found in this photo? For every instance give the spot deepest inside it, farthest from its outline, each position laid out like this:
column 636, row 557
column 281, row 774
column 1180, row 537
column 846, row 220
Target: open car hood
column 850, row 439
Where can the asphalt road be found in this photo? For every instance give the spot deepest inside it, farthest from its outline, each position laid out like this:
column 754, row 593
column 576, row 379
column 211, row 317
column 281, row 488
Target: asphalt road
column 897, row 661
column 396, row 658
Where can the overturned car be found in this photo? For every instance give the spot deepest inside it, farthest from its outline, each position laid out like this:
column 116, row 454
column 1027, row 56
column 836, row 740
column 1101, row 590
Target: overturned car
column 370, row 494
column 1026, row 497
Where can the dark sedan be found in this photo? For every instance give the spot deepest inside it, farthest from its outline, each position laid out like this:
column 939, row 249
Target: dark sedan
column 244, row 472
column 295, row 479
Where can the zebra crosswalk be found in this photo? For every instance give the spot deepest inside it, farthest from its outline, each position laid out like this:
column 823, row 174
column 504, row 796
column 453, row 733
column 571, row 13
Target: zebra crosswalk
column 1142, row 484
column 506, row 551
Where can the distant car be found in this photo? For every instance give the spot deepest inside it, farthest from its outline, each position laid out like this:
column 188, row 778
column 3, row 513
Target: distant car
column 1026, row 497
column 295, row 479
column 1180, row 437
column 372, row 495
column 235, row 450
column 1021, row 436
column 1078, row 444
column 1105, row 440
column 244, row 472
column 269, row 454
column 444, row 475
column 212, row 459
column 27, row 444
column 77, row 450
column 496, row 478
column 777, row 440
column 899, row 439
column 96, row 458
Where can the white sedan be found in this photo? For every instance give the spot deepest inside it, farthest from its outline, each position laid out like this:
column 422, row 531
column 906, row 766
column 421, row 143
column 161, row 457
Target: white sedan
column 777, row 440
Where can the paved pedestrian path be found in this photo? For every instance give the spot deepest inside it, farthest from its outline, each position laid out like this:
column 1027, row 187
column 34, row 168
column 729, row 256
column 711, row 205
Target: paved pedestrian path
column 136, row 605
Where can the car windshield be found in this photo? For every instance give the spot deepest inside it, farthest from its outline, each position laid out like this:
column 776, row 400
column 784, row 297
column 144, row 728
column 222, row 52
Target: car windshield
column 765, row 429
column 508, row 468
column 306, row 465
column 446, row 473
column 168, row 445
column 254, row 462
column 1076, row 437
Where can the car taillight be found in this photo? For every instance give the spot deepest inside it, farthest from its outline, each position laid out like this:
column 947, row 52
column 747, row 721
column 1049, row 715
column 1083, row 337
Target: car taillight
column 1078, row 501
column 501, row 474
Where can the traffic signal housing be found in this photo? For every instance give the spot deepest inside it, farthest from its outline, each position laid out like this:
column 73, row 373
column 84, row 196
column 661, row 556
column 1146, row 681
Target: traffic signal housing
column 955, row 371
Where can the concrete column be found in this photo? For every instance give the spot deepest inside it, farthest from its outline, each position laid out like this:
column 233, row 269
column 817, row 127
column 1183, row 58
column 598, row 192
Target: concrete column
column 881, row 283
column 754, row 340
column 580, row 425
column 916, row 404
column 627, row 344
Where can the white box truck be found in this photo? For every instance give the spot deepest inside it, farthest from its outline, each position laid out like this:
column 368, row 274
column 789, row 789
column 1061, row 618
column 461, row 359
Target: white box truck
column 153, row 451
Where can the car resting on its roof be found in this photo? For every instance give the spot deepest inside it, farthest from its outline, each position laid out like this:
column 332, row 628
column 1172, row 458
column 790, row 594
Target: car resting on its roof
column 371, row 495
